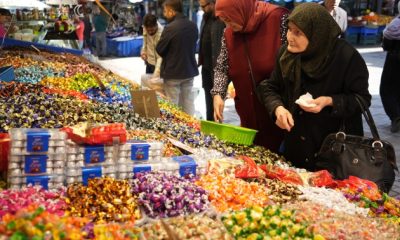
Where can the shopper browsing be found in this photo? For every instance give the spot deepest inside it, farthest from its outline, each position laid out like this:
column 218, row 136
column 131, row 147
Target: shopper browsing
column 317, row 62
column 177, row 47
column 79, row 29
column 151, row 35
column 390, row 84
column 254, row 32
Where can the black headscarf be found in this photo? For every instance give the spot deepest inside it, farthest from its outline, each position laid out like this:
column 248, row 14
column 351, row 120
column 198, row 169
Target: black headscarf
column 322, row 33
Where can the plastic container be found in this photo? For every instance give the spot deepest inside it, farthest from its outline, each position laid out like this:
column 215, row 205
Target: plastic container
column 229, row 133
column 46, row 181
column 7, row 74
column 107, row 134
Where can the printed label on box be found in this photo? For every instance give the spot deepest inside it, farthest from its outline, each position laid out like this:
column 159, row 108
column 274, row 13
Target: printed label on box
column 37, row 141
column 90, row 172
column 187, row 165
column 94, row 154
column 144, row 168
column 38, row 181
column 35, row 164
column 140, row 152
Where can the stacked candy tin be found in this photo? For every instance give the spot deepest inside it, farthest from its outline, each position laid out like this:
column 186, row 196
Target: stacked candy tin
column 36, row 157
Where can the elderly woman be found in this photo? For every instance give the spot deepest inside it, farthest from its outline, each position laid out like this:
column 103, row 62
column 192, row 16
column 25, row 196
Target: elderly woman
column 316, row 61
column 390, row 84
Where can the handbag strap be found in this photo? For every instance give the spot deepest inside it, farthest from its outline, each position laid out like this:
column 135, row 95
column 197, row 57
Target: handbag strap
column 368, row 116
column 246, row 50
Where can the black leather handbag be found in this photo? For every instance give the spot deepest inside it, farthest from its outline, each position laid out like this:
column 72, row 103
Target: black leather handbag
column 346, row 155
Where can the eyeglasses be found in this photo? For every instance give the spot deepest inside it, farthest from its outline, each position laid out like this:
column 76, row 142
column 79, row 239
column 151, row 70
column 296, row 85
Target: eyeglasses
column 205, row 5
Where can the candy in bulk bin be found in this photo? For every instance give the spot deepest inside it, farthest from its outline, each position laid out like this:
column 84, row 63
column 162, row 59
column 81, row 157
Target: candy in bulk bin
column 257, row 223
column 166, row 195
column 226, row 192
column 331, row 199
column 279, row 192
column 35, row 222
column 103, row 200
column 36, row 157
column 332, row 224
column 12, row 200
column 197, row 226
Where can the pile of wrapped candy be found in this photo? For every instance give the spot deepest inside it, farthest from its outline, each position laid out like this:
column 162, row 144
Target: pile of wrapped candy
column 241, row 192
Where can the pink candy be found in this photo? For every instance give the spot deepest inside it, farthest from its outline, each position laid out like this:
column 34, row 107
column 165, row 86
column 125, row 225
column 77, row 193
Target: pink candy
column 12, row 200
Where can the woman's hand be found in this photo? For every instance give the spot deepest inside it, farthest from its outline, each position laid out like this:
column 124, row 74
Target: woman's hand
column 284, row 118
column 143, row 56
column 218, row 108
column 319, row 102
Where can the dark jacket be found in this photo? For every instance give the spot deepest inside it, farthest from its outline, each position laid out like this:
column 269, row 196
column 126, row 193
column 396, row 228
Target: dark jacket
column 208, row 57
column 177, row 47
column 345, row 75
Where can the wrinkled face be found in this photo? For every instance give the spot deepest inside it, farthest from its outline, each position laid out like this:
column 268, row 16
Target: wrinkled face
column 235, row 26
column 297, row 40
column 168, row 12
column 208, row 7
column 331, row 4
column 151, row 30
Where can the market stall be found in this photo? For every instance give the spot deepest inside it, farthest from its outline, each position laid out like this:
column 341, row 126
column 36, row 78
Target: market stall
column 83, row 164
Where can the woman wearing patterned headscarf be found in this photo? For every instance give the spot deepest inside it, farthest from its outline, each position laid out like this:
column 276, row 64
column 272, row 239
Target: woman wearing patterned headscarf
column 390, row 84
column 331, row 70
column 254, row 33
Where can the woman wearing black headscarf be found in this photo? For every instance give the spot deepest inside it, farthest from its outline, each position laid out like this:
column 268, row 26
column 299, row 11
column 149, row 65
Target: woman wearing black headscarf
column 316, row 61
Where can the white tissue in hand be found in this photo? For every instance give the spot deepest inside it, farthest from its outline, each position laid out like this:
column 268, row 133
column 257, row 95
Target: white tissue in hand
column 303, row 100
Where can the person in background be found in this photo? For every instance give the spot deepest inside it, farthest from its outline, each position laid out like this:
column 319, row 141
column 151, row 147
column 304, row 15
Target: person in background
column 79, row 29
column 390, row 84
column 5, row 19
column 177, row 47
column 315, row 61
column 254, row 33
column 100, row 27
column 338, row 13
column 211, row 32
column 88, row 29
column 151, row 35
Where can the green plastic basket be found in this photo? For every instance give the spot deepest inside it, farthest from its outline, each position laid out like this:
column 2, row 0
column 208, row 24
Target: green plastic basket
column 229, row 133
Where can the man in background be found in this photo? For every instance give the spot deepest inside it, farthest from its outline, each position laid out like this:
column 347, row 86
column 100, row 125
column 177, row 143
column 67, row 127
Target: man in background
column 151, row 35
column 211, row 32
column 177, row 47
column 338, row 13
column 100, row 27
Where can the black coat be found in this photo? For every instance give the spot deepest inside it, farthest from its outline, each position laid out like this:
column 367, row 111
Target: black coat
column 211, row 32
column 345, row 74
column 177, row 47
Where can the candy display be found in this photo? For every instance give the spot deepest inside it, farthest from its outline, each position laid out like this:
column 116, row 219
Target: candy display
column 331, row 199
column 12, row 200
column 34, row 222
column 165, row 195
column 257, row 222
column 279, row 192
column 226, row 192
column 115, row 175
column 37, row 158
column 187, row 227
column 104, row 199
column 332, row 224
